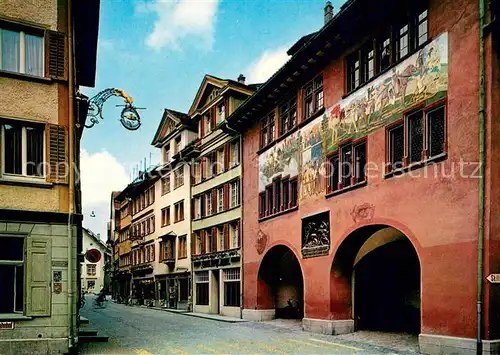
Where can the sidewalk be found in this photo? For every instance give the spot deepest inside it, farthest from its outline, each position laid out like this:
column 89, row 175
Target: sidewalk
column 216, row 317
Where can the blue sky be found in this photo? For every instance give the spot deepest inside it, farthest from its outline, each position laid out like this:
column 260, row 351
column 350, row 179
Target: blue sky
column 158, row 52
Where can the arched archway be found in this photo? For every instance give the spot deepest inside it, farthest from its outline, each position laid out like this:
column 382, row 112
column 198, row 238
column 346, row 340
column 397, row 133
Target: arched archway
column 375, row 280
column 280, row 283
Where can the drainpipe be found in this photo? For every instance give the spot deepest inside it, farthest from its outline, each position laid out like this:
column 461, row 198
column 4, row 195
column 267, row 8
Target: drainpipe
column 482, row 160
column 71, row 173
column 241, row 217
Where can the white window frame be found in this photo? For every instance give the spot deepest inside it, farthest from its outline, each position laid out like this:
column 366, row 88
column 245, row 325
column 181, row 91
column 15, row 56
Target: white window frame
column 220, row 233
column 235, row 193
column 22, row 52
column 221, row 112
column 198, row 202
column 235, row 235
column 89, row 269
column 208, row 200
column 220, row 199
column 24, row 156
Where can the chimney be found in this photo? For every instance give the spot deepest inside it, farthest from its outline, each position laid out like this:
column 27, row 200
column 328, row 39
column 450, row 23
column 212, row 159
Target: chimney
column 328, row 12
column 241, row 79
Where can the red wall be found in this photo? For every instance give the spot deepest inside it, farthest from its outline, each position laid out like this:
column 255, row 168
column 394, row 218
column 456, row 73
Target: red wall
column 438, row 214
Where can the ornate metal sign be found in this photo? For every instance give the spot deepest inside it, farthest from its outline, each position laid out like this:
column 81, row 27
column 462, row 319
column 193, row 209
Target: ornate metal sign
column 130, row 118
column 316, row 235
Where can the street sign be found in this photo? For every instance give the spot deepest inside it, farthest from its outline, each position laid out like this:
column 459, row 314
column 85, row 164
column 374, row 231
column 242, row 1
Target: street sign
column 93, row 255
column 494, row 278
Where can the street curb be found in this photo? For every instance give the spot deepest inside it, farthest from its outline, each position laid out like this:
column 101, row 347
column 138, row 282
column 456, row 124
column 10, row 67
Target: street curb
column 197, row 315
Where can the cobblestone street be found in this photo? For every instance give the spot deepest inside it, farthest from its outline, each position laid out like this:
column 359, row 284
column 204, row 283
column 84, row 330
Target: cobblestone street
column 137, row 330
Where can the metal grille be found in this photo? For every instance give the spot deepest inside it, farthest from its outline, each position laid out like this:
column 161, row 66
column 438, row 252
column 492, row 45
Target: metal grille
column 232, row 274
column 436, row 131
column 202, row 276
column 396, row 146
column 415, row 136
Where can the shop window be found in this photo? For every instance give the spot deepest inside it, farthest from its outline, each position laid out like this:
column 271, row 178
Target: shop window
column 202, row 290
column 232, row 287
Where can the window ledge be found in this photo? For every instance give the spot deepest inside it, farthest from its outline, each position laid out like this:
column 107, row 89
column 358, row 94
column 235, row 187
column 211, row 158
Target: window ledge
column 27, row 77
column 277, row 214
column 416, row 165
column 216, row 213
column 346, row 189
column 22, row 181
column 14, row 316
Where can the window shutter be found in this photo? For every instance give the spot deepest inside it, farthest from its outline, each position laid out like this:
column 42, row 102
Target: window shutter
column 57, row 151
column 38, row 276
column 214, row 201
column 213, row 247
column 226, row 236
column 55, row 55
column 226, row 157
column 213, row 121
column 226, row 196
column 203, row 236
column 202, row 127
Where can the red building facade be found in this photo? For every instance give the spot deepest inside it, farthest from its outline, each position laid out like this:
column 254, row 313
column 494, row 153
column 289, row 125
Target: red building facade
column 361, row 196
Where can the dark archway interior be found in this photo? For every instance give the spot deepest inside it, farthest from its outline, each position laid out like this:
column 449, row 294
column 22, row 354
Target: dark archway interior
column 387, row 289
column 384, row 283
column 281, row 274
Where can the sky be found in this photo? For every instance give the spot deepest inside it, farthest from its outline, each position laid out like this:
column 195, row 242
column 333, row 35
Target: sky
column 158, row 52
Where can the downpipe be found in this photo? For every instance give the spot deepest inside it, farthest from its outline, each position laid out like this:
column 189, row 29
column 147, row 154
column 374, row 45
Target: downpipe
column 482, row 160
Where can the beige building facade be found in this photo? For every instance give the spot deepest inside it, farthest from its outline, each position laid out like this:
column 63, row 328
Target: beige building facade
column 48, row 50
column 215, row 198
column 93, row 271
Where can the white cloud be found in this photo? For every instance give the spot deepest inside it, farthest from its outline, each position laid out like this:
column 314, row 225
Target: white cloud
column 180, row 19
column 101, row 173
column 268, row 64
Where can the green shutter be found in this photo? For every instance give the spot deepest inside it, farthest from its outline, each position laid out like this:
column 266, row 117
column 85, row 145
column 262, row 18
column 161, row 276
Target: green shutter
column 38, row 276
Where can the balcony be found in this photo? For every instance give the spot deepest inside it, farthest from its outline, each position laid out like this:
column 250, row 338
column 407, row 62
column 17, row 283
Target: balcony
column 218, row 258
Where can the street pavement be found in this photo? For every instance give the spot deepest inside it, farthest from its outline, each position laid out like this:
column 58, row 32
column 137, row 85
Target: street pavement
column 143, row 331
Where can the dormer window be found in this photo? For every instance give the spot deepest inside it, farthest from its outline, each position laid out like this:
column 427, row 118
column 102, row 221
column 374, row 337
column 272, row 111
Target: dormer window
column 166, row 153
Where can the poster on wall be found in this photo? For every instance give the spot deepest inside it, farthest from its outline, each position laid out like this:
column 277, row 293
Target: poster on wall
column 421, row 78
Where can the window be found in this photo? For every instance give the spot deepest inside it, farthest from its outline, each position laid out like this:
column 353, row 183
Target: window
column 220, row 199
column 221, row 112
column 421, row 136
column 421, row 31
column 288, row 115
column 12, row 274
column 207, row 124
column 197, row 172
column 179, row 211
column 313, row 97
column 167, row 249
column 403, row 42
column 346, row 167
column 353, row 72
column 208, row 199
column 267, row 130
column 166, row 153
column 232, row 287
column 220, row 161
column 91, row 269
column 385, row 52
column 234, row 233
column 179, row 177
column 235, row 193
column 202, row 288
column 235, row 153
column 279, row 196
column 23, row 149
column 21, row 52
column 182, row 247
column 220, row 233
column 165, row 185
column 90, row 284
column 165, row 216
column 178, row 145
column 368, row 62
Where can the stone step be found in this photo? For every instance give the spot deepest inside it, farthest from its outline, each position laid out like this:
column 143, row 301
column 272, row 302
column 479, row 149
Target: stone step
column 84, row 320
column 93, row 339
column 86, row 331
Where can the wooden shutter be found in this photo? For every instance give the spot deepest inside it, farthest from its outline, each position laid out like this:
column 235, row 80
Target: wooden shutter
column 55, row 55
column 215, row 233
column 215, row 205
column 38, row 276
column 226, row 156
column 226, row 196
column 213, row 120
column 226, row 236
column 193, row 243
column 203, row 236
column 57, row 154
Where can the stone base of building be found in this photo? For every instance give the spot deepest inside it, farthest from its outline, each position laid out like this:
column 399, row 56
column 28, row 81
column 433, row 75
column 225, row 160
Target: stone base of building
column 259, row 315
column 329, row 327
column 41, row 346
column 441, row 344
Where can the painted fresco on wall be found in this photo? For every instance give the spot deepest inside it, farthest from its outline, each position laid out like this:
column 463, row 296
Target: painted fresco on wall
column 282, row 159
column 421, row 77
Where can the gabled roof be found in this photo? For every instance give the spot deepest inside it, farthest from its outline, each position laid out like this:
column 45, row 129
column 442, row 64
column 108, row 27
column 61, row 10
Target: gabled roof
column 211, row 82
column 170, row 121
column 96, row 239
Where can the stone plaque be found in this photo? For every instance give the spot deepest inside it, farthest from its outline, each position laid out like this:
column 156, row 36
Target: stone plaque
column 316, row 235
